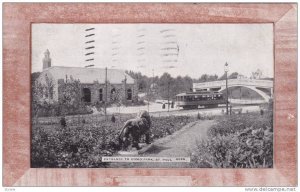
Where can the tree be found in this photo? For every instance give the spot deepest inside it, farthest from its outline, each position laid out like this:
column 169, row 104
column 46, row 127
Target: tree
column 36, row 100
column 223, row 77
column 207, row 78
column 168, row 86
column 42, row 95
column 233, row 75
column 49, row 88
column 203, row 78
column 257, row 74
column 70, row 97
column 142, row 80
column 165, row 81
column 188, row 84
column 34, row 77
column 142, row 84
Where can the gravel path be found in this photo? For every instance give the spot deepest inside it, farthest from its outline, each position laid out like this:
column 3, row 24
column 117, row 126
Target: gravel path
column 180, row 144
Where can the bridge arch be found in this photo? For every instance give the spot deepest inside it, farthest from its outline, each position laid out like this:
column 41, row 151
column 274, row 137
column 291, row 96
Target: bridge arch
column 265, row 96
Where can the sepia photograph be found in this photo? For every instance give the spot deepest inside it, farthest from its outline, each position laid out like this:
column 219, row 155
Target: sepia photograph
column 152, row 95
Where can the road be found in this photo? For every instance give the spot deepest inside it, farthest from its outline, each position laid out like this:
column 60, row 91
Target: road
column 156, row 110
column 180, row 144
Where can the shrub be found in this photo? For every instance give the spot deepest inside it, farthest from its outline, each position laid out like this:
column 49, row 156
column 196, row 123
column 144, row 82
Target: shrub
column 244, row 141
column 83, row 144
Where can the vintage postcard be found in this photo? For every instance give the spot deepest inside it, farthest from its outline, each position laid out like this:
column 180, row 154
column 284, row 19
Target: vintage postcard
column 149, row 94
column 152, row 95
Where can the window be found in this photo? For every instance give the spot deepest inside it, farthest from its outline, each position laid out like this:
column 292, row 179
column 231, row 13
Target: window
column 113, row 94
column 51, row 92
column 112, row 91
column 129, row 94
column 100, row 94
column 86, row 94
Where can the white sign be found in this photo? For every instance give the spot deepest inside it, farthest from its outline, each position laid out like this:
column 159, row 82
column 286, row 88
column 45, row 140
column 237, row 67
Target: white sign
column 147, row 159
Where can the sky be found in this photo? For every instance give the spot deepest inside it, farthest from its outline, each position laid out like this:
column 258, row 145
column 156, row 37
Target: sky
column 152, row 49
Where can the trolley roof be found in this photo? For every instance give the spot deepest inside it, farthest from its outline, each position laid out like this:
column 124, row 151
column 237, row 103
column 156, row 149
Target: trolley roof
column 198, row 93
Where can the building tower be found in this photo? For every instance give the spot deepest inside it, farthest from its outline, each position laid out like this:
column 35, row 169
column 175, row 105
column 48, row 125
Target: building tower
column 46, row 60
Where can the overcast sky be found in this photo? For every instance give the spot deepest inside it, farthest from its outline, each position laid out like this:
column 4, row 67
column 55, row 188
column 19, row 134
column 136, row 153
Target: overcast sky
column 179, row 49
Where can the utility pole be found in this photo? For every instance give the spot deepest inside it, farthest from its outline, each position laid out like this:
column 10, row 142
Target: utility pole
column 240, row 93
column 226, row 70
column 105, row 92
column 125, row 79
column 148, row 97
column 168, row 96
column 226, row 93
column 152, row 89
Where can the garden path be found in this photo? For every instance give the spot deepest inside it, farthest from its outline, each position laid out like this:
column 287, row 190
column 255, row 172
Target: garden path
column 180, row 144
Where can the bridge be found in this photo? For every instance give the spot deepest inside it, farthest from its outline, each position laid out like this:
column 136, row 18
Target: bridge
column 263, row 87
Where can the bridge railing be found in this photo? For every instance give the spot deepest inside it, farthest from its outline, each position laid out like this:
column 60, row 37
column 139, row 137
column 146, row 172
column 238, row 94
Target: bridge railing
column 236, row 82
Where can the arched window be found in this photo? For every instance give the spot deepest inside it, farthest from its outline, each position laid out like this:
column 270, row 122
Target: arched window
column 86, row 94
column 129, row 94
column 45, row 91
column 51, row 92
column 113, row 91
column 100, row 94
column 113, row 94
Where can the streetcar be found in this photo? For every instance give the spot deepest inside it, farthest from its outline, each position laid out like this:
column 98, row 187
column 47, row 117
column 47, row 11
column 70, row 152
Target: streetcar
column 207, row 99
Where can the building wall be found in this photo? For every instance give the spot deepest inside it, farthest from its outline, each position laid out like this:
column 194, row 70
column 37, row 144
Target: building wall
column 120, row 93
column 94, row 88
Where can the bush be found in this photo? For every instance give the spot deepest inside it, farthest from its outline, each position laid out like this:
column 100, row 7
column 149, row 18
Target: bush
column 163, row 126
column 243, row 141
column 56, row 109
column 231, row 124
column 83, row 144
column 205, row 116
column 80, row 146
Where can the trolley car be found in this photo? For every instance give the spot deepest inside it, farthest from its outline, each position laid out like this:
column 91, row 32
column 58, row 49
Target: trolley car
column 192, row 100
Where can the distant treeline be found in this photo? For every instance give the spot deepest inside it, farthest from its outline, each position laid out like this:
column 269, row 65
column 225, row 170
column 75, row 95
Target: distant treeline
column 166, row 86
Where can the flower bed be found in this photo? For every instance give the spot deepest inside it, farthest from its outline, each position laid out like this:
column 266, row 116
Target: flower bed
column 237, row 141
column 83, row 143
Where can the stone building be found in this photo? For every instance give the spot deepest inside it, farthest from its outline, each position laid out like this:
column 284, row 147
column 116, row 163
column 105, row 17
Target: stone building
column 119, row 87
